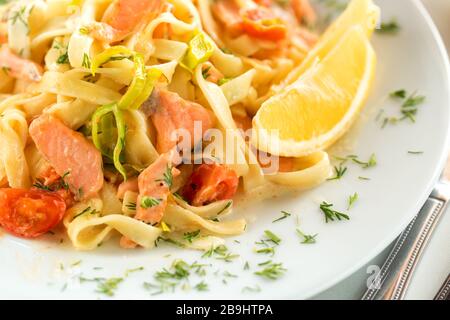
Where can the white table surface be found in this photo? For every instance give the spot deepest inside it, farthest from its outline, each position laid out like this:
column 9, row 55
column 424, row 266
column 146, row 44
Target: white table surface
column 434, row 266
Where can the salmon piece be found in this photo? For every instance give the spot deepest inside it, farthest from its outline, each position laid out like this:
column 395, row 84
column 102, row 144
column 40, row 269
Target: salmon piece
column 70, row 154
column 286, row 164
column 129, row 185
column 154, row 188
column 18, row 67
column 169, row 113
column 123, row 16
column 273, row 164
column 228, row 13
column 304, row 11
column 209, row 183
column 127, row 243
column 243, row 122
column 211, row 73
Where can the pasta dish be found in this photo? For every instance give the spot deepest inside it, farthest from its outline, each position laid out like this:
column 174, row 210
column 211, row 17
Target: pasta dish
column 145, row 118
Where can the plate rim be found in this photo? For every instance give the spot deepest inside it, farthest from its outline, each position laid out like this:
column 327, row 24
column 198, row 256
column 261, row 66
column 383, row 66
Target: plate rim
column 432, row 182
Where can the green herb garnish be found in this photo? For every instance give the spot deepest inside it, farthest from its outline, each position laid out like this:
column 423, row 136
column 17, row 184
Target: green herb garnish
column 351, row 200
column 131, row 206
column 389, row 27
column 272, row 237
column 191, row 236
column 409, row 107
column 271, row 270
column 86, row 63
column 129, row 271
column 63, row 58
column 223, row 81
column 202, row 286
column 149, row 202
column 307, row 238
column 398, row 94
column 105, row 286
column 256, row 288
column 339, row 172
column 330, row 214
column 372, row 162
column 108, row 286
column 285, row 215
column 167, row 177
column 269, row 250
column 19, row 16
column 168, row 279
column 85, row 211
column 205, row 72
column 220, row 252
column 76, row 263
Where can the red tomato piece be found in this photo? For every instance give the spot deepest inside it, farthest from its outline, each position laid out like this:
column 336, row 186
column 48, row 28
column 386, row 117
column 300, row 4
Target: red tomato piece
column 266, row 3
column 261, row 23
column 30, row 213
column 209, row 183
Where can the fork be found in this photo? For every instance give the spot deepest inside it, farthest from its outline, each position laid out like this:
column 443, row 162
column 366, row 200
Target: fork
column 393, row 280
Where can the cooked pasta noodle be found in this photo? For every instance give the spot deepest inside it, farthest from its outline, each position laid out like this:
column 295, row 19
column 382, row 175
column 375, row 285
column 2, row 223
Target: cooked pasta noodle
column 13, row 138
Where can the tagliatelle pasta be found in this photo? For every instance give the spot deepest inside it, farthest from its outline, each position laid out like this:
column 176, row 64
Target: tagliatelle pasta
column 13, row 138
column 137, row 122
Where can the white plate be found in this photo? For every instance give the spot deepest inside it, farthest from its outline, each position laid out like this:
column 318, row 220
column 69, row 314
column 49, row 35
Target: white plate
column 415, row 59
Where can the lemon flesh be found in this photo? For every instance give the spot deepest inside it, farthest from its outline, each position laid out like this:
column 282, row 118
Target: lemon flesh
column 318, row 108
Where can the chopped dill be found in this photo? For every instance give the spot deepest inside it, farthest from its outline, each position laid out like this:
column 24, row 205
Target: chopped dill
column 284, row 216
column 191, row 236
column 389, row 27
column 131, row 206
column 271, row 270
column 339, row 172
column 86, row 63
column 167, row 177
column 330, row 214
column 202, row 286
column 307, row 238
column 351, row 200
column 149, row 202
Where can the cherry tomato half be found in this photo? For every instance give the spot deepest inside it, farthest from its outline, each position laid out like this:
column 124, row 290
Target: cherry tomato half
column 30, row 213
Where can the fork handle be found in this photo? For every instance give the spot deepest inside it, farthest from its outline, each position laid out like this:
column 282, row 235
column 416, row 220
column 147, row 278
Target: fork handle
column 394, row 277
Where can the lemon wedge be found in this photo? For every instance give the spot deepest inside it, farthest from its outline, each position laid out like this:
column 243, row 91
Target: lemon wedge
column 318, row 108
column 363, row 13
